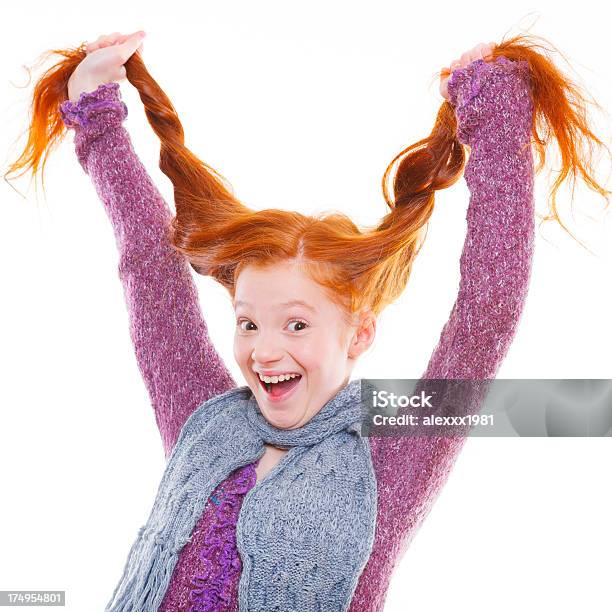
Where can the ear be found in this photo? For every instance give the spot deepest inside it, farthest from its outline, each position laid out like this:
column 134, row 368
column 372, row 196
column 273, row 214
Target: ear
column 364, row 334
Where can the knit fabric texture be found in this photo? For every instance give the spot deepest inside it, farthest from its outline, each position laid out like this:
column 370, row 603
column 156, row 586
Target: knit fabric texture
column 180, row 366
column 208, row 569
column 304, row 533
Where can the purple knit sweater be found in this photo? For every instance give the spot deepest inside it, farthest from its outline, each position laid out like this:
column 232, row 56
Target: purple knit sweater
column 182, row 369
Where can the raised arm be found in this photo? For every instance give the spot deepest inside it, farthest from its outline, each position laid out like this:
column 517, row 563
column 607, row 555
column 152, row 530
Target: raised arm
column 179, row 364
column 494, row 109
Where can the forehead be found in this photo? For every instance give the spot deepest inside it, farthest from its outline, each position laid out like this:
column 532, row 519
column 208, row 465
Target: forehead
column 276, row 287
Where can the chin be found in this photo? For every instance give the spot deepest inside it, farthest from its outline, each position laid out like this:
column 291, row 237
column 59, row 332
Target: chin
column 282, row 421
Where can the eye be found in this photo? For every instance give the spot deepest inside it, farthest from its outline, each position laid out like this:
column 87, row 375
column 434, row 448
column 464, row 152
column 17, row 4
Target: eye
column 241, row 321
column 299, row 322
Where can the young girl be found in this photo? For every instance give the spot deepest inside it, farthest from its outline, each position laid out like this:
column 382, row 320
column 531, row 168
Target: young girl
column 271, row 498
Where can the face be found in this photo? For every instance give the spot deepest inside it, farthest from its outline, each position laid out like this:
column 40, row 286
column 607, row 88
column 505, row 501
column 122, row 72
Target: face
column 312, row 339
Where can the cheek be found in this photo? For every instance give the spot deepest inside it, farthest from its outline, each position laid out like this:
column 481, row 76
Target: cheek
column 242, row 351
column 316, row 354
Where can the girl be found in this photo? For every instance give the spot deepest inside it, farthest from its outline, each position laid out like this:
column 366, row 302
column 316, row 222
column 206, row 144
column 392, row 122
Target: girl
column 271, row 498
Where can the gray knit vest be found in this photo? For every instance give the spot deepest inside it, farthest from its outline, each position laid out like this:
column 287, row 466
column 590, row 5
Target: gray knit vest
column 304, row 533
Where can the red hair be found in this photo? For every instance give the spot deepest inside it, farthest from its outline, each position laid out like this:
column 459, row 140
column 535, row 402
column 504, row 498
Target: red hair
column 361, row 268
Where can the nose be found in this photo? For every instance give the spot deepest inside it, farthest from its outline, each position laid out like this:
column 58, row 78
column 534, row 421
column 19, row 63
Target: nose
column 266, row 349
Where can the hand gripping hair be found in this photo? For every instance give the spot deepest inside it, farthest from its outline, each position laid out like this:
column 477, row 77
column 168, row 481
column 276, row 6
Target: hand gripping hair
column 366, row 267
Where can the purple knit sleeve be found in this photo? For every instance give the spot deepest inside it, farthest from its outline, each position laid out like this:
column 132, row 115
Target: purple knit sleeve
column 494, row 109
column 179, row 364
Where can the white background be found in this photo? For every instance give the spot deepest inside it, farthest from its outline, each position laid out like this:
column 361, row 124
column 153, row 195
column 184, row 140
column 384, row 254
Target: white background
column 300, row 106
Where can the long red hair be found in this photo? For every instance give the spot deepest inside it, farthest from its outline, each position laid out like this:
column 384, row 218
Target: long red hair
column 360, row 268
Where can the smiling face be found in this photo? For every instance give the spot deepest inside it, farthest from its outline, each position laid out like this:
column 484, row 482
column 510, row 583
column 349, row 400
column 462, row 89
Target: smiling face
column 276, row 335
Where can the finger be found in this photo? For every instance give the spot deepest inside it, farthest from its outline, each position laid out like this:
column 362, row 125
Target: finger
column 101, row 38
column 475, row 53
column 123, row 38
column 109, row 42
column 480, row 51
column 112, row 38
column 99, row 43
column 130, row 46
column 109, row 39
column 487, row 49
column 92, row 46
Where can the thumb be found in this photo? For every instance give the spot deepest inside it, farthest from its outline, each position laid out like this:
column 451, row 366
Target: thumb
column 130, row 45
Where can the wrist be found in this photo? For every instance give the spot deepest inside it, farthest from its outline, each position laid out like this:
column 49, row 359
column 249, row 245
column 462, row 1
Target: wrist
column 79, row 84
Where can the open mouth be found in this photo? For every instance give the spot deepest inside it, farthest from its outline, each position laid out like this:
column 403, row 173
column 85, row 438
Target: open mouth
column 280, row 390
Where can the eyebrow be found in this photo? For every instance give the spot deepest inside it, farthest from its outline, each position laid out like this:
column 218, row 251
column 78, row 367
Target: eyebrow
column 287, row 304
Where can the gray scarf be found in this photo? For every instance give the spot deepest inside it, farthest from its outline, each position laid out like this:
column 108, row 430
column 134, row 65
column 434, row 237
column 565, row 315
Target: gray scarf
column 304, row 533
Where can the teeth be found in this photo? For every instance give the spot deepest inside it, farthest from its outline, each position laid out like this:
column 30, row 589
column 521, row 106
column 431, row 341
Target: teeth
column 275, row 379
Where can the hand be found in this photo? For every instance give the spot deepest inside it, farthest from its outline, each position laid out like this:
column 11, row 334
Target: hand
column 480, row 51
column 104, row 62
